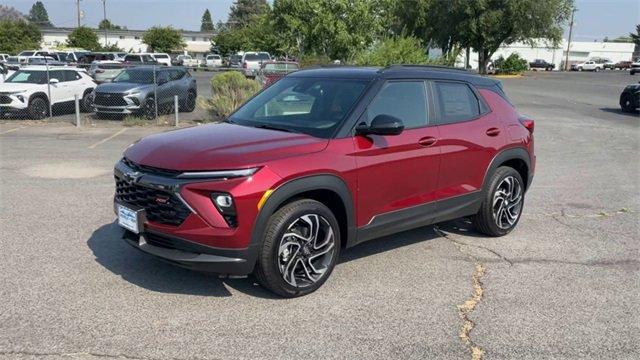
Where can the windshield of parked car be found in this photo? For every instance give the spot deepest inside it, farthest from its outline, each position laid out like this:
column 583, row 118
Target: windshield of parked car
column 314, row 106
column 137, row 76
column 28, row 77
column 251, row 57
column 13, row 60
column 280, row 67
column 26, row 53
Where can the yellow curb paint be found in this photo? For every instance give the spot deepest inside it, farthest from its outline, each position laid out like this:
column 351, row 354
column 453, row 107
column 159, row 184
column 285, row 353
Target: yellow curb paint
column 9, row 131
column 107, row 139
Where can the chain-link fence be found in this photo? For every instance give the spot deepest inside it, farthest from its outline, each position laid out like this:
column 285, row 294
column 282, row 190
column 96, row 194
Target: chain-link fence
column 83, row 95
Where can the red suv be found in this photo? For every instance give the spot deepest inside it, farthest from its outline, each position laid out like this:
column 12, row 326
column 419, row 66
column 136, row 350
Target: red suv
column 320, row 161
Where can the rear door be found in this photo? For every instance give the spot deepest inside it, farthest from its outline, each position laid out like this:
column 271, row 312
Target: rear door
column 470, row 136
column 396, row 172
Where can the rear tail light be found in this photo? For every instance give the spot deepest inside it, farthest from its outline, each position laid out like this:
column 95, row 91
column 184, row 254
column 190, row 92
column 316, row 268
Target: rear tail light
column 99, row 71
column 529, row 124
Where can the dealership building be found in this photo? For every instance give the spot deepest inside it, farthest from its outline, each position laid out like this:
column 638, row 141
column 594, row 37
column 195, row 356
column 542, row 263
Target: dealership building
column 198, row 44
column 580, row 51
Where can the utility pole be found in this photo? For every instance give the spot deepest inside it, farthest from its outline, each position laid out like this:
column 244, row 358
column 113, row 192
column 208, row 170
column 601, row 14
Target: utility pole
column 566, row 59
column 104, row 11
column 78, row 8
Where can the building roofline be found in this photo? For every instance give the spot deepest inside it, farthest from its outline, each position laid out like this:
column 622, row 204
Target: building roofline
column 66, row 30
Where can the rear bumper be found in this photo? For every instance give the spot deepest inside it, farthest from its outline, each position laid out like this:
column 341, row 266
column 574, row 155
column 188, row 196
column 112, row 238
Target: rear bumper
column 191, row 255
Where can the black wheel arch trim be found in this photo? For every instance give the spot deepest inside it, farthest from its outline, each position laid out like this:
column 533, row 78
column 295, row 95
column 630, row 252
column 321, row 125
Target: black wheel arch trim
column 39, row 94
column 298, row 186
column 518, row 153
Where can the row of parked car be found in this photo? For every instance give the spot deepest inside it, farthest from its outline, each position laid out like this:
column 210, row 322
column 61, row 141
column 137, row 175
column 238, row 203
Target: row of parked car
column 594, row 64
column 115, row 89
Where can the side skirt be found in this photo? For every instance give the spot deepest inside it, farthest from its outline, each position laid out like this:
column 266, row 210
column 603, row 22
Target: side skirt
column 418, row 216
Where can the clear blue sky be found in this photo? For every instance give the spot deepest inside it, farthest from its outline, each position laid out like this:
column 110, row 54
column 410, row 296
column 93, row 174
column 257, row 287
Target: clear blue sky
column 595, row 19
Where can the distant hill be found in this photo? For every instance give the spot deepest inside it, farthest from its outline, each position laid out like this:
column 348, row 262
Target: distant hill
column 10, row 13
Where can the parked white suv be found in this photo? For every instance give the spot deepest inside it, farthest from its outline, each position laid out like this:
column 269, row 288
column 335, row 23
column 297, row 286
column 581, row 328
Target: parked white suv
column 589, row 65
column 251, row 62
column 162, row 58
column 27, row 90
column 213, row 60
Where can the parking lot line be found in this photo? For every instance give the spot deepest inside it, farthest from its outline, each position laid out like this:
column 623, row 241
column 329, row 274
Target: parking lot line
column 10, row 131
column 92, row 146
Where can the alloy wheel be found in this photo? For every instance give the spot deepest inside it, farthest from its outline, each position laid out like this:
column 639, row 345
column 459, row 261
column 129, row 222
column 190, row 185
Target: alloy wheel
column 306, row 250
column 507, row 202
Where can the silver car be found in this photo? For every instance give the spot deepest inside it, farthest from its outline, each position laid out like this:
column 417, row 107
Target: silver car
column 251, row 62
column 134, row 91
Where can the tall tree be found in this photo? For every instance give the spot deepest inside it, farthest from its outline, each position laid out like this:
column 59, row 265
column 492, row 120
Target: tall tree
column 636, row 37
column 107, row 24
column 10, row 13
column 163, row 39
column 242, row 11
column 17, row 35
column 38, row 15
column 207, row 22
column 84, row 38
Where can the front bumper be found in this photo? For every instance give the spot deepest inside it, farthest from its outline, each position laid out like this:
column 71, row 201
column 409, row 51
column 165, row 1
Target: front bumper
column 191, row 255
column 13, row 102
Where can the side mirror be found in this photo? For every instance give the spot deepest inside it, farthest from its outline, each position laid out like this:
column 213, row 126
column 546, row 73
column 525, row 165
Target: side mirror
column 381, row 125
column 53, row 81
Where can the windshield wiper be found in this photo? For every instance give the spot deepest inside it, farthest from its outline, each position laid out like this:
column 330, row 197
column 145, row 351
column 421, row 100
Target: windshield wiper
column 277, row 128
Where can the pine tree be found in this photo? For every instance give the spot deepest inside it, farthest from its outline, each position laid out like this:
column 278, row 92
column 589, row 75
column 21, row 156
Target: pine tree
column 207, row 22
column 38, row 15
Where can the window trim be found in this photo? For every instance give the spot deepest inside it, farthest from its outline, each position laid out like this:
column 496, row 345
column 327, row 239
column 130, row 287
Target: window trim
column 482, row 105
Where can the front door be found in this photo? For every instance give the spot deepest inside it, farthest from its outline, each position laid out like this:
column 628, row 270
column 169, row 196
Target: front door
column 397, row 175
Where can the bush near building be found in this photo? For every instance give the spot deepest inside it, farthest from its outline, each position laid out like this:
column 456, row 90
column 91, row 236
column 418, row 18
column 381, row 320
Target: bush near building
column 512, row 65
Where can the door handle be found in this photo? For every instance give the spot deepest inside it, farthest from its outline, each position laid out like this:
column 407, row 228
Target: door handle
column 493, row 131
column 427, row 141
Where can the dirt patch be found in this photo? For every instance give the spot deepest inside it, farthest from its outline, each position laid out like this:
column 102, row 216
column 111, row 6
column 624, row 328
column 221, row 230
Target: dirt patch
column 64, row 171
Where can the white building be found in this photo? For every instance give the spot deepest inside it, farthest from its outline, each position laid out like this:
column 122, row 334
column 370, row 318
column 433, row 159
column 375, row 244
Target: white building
column 580, row 51
column 198, row 43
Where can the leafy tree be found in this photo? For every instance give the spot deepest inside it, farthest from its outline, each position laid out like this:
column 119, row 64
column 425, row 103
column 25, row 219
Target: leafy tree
column 398, row 50
column 163, row 39
column 207, row 22
column 10, row 13
column 243, row 10
column 85, row 38
column 258, row 34
column 107, row 24
column 636, row 37
column 17, row 35
column 512, row 65
column 112, row 48
column 38, row 15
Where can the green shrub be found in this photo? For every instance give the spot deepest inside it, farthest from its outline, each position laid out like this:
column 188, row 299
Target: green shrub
column 398, row 50
column 314, row 60
column 512, row 65
column 230, row 90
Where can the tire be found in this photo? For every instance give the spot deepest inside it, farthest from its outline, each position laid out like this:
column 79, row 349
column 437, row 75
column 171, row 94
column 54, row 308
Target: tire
column 86, row 104
column 296, row 265
column 580, row 68
column 627, row 103
column 493, row 218
column 596, row 69
column 38, row 108
column 148, row 109
column 190, row 102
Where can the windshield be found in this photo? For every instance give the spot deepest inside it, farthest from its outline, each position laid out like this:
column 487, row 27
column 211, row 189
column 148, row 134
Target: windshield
column 251, row 57
column 13, row 60
column 137, row 76
column 26, row 53
column 280, row 67
column 307, row 105
column 28, row 77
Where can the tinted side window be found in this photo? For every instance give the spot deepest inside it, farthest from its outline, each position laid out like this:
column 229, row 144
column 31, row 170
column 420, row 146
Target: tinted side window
column 405, row 100
column 176, row 74
column 70, row 75
column 456, row 102
column 57, row 74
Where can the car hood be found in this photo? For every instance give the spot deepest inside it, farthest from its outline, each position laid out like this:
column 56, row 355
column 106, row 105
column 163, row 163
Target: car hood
column 220, row 147
column 15, row 87
column 120, row 87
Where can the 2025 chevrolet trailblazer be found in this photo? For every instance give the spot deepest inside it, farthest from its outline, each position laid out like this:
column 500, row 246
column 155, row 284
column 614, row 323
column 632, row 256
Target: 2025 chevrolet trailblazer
column 320, row 161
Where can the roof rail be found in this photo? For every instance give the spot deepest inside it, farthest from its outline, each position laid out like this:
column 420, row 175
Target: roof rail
column 432, row 67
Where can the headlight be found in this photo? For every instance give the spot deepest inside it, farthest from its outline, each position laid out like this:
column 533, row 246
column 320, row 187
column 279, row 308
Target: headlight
column 222, row 174
column 133, row 93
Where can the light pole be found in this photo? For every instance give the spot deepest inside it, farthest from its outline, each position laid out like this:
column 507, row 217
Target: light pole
column 566, row 59
column 104, row 22
column 78, row 8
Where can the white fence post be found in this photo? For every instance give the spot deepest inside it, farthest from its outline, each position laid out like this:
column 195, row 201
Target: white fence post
column 77, row 102
column 176, row 107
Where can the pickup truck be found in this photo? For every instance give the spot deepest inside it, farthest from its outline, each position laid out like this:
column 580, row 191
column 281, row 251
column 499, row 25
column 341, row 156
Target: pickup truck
column 541, row 64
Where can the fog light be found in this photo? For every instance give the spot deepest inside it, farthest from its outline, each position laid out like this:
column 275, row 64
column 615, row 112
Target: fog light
column 226, row 207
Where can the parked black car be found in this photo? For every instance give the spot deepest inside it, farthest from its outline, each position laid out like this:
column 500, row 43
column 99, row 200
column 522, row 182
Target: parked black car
column 630, row 98
column 541, row 64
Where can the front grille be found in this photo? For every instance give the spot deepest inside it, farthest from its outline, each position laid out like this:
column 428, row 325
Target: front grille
column 160, row 206
column 149, row 169
column 4, row 99
column 109, row 99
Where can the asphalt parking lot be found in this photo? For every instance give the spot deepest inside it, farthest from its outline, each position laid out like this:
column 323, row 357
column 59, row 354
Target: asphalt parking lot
column 564, row 284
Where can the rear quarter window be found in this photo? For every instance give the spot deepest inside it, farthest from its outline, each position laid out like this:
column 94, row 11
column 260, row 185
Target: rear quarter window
column 456, row 102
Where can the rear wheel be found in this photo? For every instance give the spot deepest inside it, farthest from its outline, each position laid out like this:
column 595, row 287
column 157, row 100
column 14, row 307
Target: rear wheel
column 38, row 108
column 627, row 103
column 502, row 204
column 300, row 249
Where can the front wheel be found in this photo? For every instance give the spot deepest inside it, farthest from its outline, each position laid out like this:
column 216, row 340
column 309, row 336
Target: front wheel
column 627, row 103
column 38, row 108
column 190, row 102
column 300, row 249
column 149, row 109
column 502, row 204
